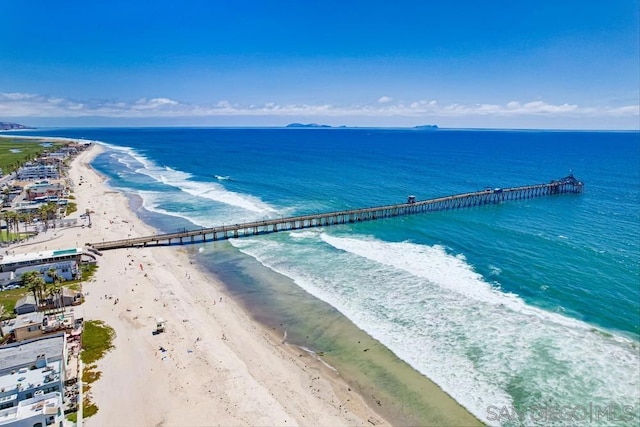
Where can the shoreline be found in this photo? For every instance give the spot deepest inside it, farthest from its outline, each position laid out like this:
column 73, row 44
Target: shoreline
column 386, row 382
column 313, row 393
column 219, row 367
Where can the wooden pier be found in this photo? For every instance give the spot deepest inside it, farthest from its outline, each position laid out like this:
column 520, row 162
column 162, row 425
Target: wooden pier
column 565, row 185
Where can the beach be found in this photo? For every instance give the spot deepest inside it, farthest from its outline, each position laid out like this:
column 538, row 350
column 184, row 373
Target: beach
column 216, row 366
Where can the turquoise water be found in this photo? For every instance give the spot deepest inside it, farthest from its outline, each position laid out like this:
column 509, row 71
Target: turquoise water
column 516, row 305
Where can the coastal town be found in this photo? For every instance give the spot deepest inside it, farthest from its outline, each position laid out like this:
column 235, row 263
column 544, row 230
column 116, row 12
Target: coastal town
column 41, row 291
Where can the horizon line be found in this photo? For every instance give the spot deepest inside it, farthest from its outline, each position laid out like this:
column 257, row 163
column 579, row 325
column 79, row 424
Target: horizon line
column 311, row 126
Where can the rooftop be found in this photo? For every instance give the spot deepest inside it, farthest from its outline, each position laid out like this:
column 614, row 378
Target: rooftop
column 27, row 378
column 22, row 320
column 54, row 322
column 16, row 355
column 27, row 299
column 14, row 258
column 46, row 404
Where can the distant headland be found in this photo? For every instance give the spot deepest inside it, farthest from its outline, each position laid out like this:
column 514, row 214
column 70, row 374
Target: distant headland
column 13, row 126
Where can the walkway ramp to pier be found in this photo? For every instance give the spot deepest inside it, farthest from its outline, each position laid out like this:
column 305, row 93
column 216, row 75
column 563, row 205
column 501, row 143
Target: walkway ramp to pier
column 567, row 185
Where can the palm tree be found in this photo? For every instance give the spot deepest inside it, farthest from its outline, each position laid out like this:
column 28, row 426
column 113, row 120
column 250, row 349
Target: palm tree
column 52, row 210
column 15, row 219
column 5, row 217
column 43, row 214
column 25, row 217
column 35, row 283
column 56, row 289
column 9, row 219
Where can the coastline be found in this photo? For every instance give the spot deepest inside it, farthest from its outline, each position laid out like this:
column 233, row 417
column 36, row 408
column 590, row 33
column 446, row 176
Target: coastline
column 221, row 366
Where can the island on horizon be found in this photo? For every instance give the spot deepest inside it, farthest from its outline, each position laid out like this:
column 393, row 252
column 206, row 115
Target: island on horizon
column 307, row 125
column 427, row 127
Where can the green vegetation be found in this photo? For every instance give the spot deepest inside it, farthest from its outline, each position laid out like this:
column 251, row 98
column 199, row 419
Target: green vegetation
column 12, row 237
column 14, row 152
column 12, row 221
column 71, row 208
column 8, row 301
column 88, row 270
column 97, row 339
column 34, row 282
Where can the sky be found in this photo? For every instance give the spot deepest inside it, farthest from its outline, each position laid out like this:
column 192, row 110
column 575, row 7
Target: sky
column 458, row 64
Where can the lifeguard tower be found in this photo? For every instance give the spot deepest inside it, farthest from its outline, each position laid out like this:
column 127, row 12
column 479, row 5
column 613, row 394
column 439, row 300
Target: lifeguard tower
column 160, row 324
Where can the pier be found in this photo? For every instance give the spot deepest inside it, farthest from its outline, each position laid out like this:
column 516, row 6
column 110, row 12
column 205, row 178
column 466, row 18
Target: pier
column 567, row 185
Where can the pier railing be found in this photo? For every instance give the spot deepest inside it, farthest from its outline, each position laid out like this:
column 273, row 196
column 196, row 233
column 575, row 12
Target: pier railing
column 565, row 185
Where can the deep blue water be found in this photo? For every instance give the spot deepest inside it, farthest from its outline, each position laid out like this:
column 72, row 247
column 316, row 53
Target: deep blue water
column 521, row 303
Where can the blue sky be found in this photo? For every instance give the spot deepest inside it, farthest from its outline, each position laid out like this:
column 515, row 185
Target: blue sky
column 507, row 64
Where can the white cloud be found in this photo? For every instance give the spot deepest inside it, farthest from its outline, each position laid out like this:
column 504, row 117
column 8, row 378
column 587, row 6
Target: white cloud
column 154, row 103
column 34, row 105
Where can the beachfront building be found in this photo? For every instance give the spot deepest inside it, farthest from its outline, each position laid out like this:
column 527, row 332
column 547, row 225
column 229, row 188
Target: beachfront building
column 38, row 324
column 12, row 262
column 25, row 326
column 32, row 368
column 67, row 270
column 39, row 411
column 33, row 172
column 32, row 208
column 57, row 157
column 44, row 191
column 66, row 298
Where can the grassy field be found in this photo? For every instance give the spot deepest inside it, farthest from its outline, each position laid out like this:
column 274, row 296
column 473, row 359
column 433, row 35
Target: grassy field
column 8, row 300
column 12, row 237
column 16, row 151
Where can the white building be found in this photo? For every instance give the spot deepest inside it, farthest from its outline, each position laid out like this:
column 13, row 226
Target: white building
column 31, row 368
column 14, row 261
column 35, row 172
column 39, row 411
column 67, row 270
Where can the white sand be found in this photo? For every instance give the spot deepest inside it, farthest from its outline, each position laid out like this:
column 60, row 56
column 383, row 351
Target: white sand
column 249, row 378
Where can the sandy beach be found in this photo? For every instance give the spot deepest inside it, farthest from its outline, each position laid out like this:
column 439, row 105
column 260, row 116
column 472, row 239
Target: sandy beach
column 218, row 366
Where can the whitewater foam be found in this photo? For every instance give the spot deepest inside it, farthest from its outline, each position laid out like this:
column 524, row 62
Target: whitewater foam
column 187, row 183
column 481, row 345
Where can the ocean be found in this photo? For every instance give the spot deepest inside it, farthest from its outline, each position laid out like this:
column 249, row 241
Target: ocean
column 517, row 308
